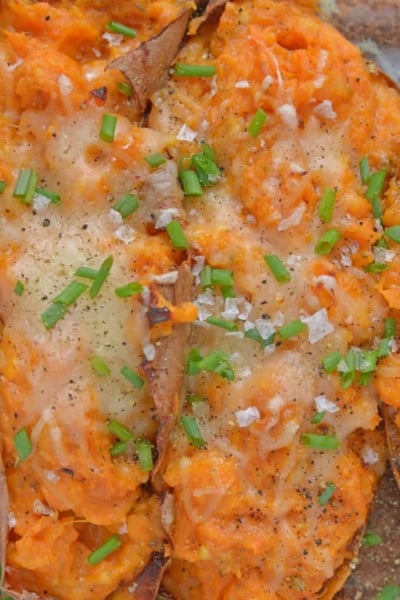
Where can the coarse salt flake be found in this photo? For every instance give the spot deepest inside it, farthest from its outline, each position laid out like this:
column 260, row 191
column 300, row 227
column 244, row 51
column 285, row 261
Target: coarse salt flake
column 246, row 417
column 168, row 278
column 65, row 85
column 369, row 455
column 242, row 84
column 185, row 134
column 125, row 234
column 288, row 114
column 293, row 219
column 12, row 521
column 40, row 202
column 165, row 216
column 325, row 110
column 318, row 325
column 323, row 404
column 149, row 351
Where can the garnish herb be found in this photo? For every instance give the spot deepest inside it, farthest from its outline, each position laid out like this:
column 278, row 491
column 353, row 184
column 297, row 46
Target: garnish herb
column 130, row 289
column 393, row 233
column 223, row 323
column 86, row 272
column 192, row 431
column 115, row 27
column 71, row 293
column 257, row 122
column 326, row 205
column 176, row 235
column 364, row 170
column 390, row 327
column 120, row 431
column 22, row 444
column 125, row 88
column 327, row 242
column 99, row 366
column 101, row 276
column 375, row 267
column 214, row 362
column 291, row 329
column 53, row 314
column 317, row 441
column 132, row 377
column 118, row 448
column 331, row 361
column 317, row 417
column 390, row 592
column 52, row 196
column 19, row 288
column 2, row 186
column 371, row 539
column 127, row 205
column 277, row 267
column 187, row 70
column 327, row 494
column 112, row 544
column 254, row 334
column 155, row 160
column 145, row 455
column 206, row 168
column 25, row 186
column 190, row 183
column 108, row 126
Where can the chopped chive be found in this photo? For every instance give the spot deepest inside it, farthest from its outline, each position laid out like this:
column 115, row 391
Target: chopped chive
column 132, row 377
column 22, row 444
column 331, row 361
column 186, row 70
column 222, row 277
column 375, row 267
column 257, row 122
column 112, row 544
column 120, row 431
column 317, row 417
column 108, row 126
column 393, row 233
column 2, row 186
column 377, row 209
column 19, row 288
column 371, row 539
column 192, row 431
column 101, row 276
column 384, row 348
column 115, row 27
column 327, row 242
column 364, row 170
column 227, row 291
column 327, row 494
column 375, row 184
column 127, row 205
column 320, row 441
column 25, row 186
column 277, row 267
column 390, row 592
column 71, row 293
column 381, row 243
column 52, row 196
column 125, row 88
column 223, row 323
column 53, row 314
column 368, row 360
column 214, row 362
column 190, row 183
column 118, row 448
column 206, row 168
column 365, row 378
column 99, row 366
column 194, row 399
column 254, row 334
column 155, row 160
column 347, row 368
column 390, row 327
column 130, row 289
column 86, row 272
column 145, row 455
column 206, row 277
column 291, row 329
column 326, row 205
column 176, row 235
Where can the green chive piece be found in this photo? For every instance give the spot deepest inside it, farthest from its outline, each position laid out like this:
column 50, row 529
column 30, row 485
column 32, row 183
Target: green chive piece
column 375, row 184
column 208, row 151
column 52, row 196
column 186, row 70
column 390, row 592
column 206, row 277
column 193, row 399
column 190, row 183
column 132, row 377
column 326, row 205
column 377, row 209
column 130, row 289
column 112, row 544
column 347, row 368
column 19, row 288
column 223, row 323
column 192, row 431
column 327, row 494
column 71, row 293
column 25, row 186
column 118, row 448
column 320, row 441
column 176, row 235
column 101, row 276
column 371, row 538
column 331, row 361
column 327, row 242
column 145, row 454
column 86, row 272
column 381, row 243
column 317, row 417
column 207, row 170
column 364, row 170
column 120, row 431
column 214, row 362
column 254, row 334
column 257, row 122
column 368, row 360
column 384, row 348
column 155, row 160
column 393, row 233
column 2, row 186
column 228, row 291
column 277, row 267
column 115, row 27
column 222, row 277
column 125, row 88
column 108, row 126
column 390, row 327
column 54, row 313
column 375, row 267
column 22, row 444
column 291, row 329
column 99, row 366
column 127, row 205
